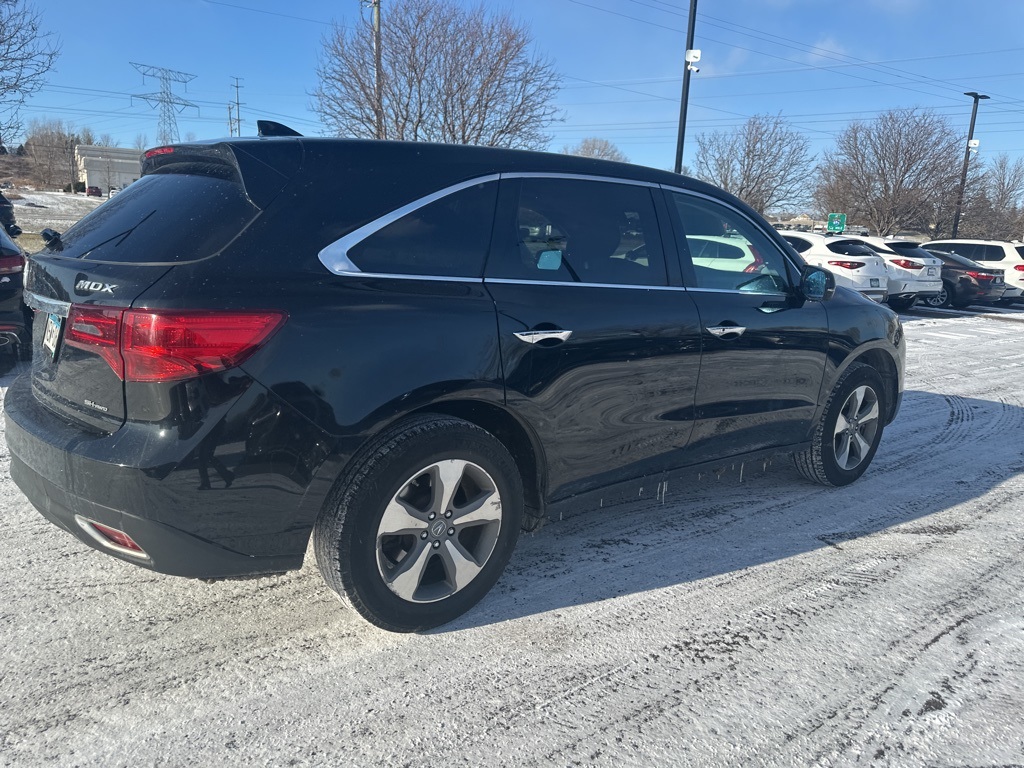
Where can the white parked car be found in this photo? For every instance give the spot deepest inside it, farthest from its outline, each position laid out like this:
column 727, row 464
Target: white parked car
column 912, row 275
column 992, row 253
column 854, row 264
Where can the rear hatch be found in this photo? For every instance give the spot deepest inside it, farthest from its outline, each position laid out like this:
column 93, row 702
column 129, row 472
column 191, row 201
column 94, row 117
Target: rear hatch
column 191, row 202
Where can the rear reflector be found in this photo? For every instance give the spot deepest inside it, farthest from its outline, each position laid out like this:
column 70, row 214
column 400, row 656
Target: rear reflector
column 11, row 264
column 112, row 538
column 847, row 264
column 161, row 345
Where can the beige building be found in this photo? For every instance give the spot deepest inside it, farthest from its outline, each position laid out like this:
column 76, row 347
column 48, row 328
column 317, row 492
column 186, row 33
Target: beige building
column 107, row 167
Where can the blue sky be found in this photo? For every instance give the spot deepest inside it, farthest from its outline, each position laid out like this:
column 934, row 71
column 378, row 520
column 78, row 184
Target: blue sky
column 818, row 63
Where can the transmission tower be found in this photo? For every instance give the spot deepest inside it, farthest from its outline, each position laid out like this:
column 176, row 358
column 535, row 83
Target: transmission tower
column 168, row 130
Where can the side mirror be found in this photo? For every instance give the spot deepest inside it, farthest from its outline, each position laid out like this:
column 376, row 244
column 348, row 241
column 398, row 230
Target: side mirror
column 817, row 284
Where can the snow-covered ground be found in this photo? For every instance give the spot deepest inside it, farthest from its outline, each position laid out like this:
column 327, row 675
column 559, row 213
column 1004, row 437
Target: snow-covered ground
column 58, row 210
column 762, row 622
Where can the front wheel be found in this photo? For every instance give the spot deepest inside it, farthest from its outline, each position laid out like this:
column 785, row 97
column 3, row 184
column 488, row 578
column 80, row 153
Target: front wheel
column 422, row 525
column 847, row 436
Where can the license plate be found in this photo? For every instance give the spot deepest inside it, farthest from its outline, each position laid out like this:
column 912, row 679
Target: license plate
column 51, row 335
column 874, row 282
column 931, row 271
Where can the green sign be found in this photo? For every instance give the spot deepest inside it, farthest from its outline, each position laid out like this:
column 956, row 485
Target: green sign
column 836, row 222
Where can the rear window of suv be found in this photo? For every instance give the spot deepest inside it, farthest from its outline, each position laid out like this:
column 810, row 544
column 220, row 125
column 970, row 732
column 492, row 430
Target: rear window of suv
column 163, row 218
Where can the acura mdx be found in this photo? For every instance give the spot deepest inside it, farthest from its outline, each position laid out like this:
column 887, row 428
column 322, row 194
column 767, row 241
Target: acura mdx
column 410, row 352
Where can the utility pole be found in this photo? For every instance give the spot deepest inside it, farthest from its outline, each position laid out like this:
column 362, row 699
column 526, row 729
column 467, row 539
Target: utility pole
column 692, row 57
column 378, row 80
column 238, row 107
column 231, row 120
column 967, row 158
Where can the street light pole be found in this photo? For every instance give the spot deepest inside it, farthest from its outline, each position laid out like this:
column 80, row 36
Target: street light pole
column 691, row 23
column 967, row 158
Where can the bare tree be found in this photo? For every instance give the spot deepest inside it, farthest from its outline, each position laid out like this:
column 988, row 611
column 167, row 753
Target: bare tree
column 449, row 75
column 765, row 163
column 993, row 200
column 893, row 172
column 602, row 149
column 106, row 140
column 51, row 146
column 27, row 53
column 141, row 141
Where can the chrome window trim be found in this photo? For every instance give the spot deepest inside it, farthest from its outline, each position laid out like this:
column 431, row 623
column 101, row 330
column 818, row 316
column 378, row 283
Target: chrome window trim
column 50, row 306
column 399, row 276
column 335, row 256
column 520, row 281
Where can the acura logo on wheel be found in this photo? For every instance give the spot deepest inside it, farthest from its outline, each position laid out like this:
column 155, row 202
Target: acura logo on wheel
column 438, row 528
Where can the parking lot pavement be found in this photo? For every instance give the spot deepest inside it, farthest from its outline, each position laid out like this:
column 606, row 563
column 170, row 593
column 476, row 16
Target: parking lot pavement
column 757, row 622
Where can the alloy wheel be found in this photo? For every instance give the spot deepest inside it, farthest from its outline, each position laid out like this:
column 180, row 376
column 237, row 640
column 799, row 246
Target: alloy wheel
column 856, row 426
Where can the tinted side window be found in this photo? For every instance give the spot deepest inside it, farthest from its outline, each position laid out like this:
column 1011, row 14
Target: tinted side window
column 567, row 230
column 446, row 238
column 799, row 244
column 712, row 231
column 989, row 253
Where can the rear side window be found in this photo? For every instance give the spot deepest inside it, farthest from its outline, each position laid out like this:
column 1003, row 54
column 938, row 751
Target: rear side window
column 162, row 218
column 576, row 231
column 448, row 237
column 799, row 244
column 989, row 253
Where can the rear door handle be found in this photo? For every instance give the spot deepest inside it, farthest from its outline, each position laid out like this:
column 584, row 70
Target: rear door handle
column 532, row 337
column 723, row 331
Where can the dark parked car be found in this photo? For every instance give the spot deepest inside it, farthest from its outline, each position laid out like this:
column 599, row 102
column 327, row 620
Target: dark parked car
column 411, row 351
column 93, row 192
column 966, row 282
column 15, row 338
column 7, row 216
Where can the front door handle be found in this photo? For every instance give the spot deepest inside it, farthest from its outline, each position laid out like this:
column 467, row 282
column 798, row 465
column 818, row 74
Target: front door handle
column 532, row 337
column 726, row 331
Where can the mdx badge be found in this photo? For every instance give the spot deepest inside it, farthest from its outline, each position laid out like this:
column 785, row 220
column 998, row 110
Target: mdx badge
column 93, row 286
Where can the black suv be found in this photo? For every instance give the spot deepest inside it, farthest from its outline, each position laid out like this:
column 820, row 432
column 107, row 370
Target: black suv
column 412, row 351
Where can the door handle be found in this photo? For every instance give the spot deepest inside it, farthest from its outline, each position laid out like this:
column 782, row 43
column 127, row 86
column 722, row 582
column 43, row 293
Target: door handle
column 532, row 337
column 723, row 331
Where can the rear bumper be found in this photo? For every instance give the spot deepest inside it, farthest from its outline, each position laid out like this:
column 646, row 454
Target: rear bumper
column 219, row 503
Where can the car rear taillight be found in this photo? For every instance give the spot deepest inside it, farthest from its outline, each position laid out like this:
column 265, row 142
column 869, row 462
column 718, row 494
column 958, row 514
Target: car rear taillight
column 847, row 264
column 1019, row 267
column 170, row 346
column 97, row 330
column 161, row 345
column 907, row 264
column 980, row 275
column 11, row 264
column 159, row 151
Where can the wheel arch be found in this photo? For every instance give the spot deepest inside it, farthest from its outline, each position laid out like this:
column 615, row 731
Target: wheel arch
column 881, row 361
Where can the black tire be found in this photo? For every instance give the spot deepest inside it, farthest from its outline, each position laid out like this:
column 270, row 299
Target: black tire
column 944, row 298
column 901, row 304
column 355, row 544
column 825, row 462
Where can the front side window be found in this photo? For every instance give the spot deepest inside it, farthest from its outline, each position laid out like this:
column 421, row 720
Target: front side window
column 577, row 231
column 448, row 237
column 727, row 251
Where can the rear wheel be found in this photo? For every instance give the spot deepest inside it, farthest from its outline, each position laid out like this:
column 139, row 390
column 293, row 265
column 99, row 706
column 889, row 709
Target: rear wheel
column 422, row 525
column 847, row 436
column 943, row 299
